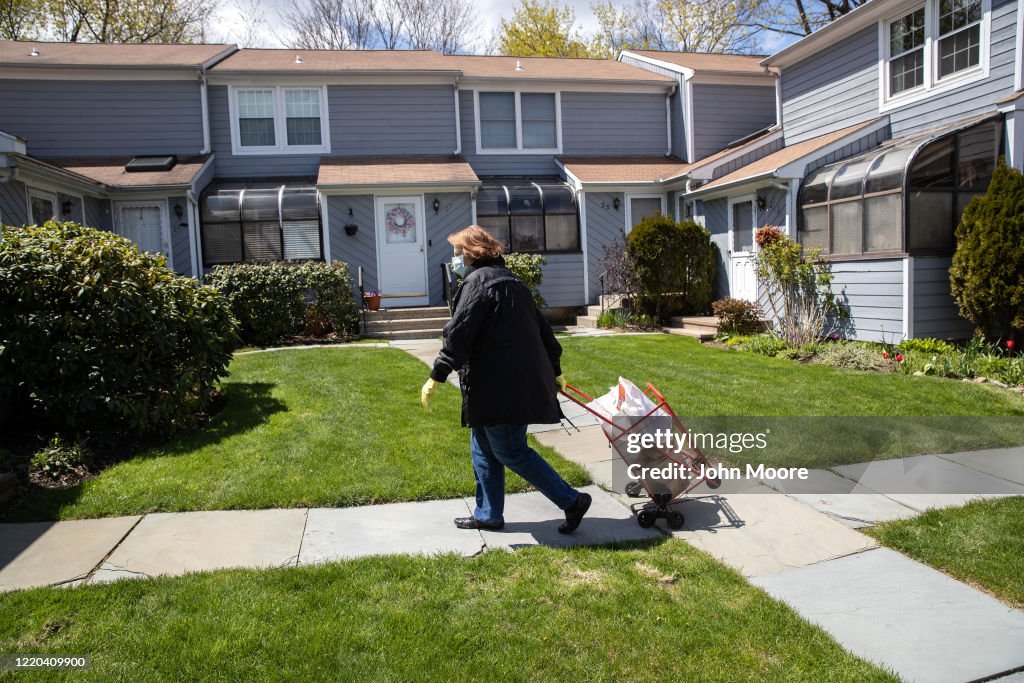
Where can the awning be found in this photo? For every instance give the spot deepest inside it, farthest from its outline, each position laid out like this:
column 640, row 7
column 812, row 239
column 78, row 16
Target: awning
column 395, row 171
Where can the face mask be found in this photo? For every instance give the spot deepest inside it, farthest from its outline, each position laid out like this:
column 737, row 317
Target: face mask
column 459, row 266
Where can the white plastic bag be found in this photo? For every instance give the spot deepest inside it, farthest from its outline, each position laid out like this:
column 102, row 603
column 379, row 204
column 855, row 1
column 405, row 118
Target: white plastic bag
column 622, row 405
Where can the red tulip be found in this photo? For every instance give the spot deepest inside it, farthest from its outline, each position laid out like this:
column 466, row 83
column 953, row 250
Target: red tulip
column 1010, row 343
column 885, row 354
column 899, row 358
column 836, row 336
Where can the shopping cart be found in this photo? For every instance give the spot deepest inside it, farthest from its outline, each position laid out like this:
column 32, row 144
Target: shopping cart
column 661, row 491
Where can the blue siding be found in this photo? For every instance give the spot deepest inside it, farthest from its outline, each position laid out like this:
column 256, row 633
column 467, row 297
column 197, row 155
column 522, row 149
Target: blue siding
column 359, row 249
column 604, row 226
column 13, row 207
column 748, row 158
column 103, row 118
column 714, row 215
column 613, row 123
column 872, row 291
column 499, row 164
column 562, row 283
column 835, row 88
column 677, row 103
column 455, row 214
column 181, row 248
column 935, row 311
column 726, row 113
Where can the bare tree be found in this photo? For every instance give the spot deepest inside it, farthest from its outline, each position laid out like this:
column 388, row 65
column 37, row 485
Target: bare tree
column 331, row 24
column 129, row 21
column 803, row 17
column 20, row 19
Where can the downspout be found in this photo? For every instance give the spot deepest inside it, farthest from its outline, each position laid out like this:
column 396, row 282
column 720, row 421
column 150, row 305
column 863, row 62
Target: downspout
column 668, row 119
column 778, row 95
column 194, row 241
column 458, row 119
column 206, row 110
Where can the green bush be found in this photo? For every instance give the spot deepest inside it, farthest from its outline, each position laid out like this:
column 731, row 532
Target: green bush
column 928, row 345
column 987, row 273
column 765, row 344
column 850, row 355
column 277, row 300
column 527, row 267
column 59, row 458
column 737, row 316
column 675, row 265
column 623, row 317
column 97, row 336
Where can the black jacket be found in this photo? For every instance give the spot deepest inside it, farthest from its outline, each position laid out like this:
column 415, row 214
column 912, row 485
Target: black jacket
column 504, row 350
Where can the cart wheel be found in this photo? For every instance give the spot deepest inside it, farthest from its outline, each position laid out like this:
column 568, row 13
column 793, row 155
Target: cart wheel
column 714, row 483
column 646, row 519
column 676, row 519
column 635, row 489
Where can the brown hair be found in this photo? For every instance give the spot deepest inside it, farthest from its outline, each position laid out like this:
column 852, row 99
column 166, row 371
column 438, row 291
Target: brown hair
column 476, row 243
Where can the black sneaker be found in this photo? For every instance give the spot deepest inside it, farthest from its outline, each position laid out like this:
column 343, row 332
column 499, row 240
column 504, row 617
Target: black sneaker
column 574, row 515
column 474, row 523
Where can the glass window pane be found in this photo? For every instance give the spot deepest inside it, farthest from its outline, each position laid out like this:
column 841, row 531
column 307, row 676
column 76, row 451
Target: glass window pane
column 906, row 71
column 977, row 154
column 643, row 207
column 42, row 210
column 814, row 229
column 538, row 112
column 847, row 229
column 527, row 233
column 539, row 135
column 256, row 118
column 956, row 14
column 498, row 134
column 260, row 205
column 933, row 166
column 304, row 131
column 743, row 226
column 262, row 241
column 558, row 199
column 959, row 51
column 498, row 120
column 962, row 200
column 524, row 199
column 256, row 132
column 221, row 206
column 561, row 231
column 906, row 33
column 887, row 171
column 497, row 226
column 302, row 240
column 848, row 179
column 491, row 201
column 222, row 242
column 815, row 188
column 930, row 220
column 884, row 222
column 302, row 104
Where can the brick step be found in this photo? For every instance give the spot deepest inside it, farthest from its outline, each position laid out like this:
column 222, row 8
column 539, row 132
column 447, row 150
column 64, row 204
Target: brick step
column 586, row 321
column 405, row 324
column 408, row 313
column 703, row 323
column 402, row 335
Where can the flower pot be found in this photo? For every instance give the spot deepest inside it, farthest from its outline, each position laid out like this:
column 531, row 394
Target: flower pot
column 372, row 301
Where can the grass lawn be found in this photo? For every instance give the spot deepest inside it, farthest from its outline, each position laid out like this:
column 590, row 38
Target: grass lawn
column 817, row 415
column 321, row 427
column 981, row 543
column 657, row 612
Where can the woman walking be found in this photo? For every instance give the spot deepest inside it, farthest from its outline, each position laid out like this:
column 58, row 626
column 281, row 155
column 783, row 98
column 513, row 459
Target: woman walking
column 507, row 358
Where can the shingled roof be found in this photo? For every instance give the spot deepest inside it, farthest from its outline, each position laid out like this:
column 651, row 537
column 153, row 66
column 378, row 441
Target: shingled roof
column 34, row 53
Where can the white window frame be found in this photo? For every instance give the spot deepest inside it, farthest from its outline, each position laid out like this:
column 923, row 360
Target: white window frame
column 49, row 196
column 733, row 201
column 519, row 149
column 932, row 85
column 165, row 225
column 280, row 122
column 628, row 213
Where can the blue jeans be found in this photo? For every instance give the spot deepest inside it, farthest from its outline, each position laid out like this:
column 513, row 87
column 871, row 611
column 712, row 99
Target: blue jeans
column 494, row 449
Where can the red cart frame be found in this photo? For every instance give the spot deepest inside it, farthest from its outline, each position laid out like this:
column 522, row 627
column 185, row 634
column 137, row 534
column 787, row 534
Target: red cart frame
column 661, row 494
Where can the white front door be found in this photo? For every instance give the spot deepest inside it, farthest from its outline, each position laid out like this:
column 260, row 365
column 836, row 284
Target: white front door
column 402, row 261
column 144, row 223
column 742, row 224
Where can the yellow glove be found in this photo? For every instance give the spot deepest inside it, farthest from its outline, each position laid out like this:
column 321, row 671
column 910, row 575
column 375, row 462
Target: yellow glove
column 426, row 392
column 561, row 382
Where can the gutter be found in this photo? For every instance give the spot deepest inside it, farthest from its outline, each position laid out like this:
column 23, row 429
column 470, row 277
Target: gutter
column 206, row 110
column 458, row 119
column 668, row 119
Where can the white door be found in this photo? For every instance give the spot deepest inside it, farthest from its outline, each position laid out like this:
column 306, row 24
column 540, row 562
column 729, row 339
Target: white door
column 144, row 223
column 402, row 260
column 742, row 224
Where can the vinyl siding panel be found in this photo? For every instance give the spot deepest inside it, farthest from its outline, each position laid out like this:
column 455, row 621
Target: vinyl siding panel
column 935, row 311
column 13, row 204
column 359, row 249
column 103, row 118
column 456, row 213
column 861, row 144
column 604, row 226
column 181, row 249
column 562, row 282
column 613, row 123
column 677, row 103
column 833, row 89
column 714, row 215
column 748, row 158
column 726, row 113
column 872, row 292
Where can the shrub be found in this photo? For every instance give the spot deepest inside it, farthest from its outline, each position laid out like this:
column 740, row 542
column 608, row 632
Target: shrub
column 928, row 345
column 527, row 267
column 619, row 274
column 767, row 236
column 765, row 344
column 59, row 458
column 624, row 317
column 277, row 300
column 987, row 273
column 797, row 288
column 737, row 316
column 850, row 355
column 97, row 335
column 675, row 265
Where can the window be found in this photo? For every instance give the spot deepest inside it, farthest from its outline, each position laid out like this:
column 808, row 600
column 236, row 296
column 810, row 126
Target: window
column 518, row 122
column 940, row 44
column 279, row 121
column 742, row 226
column 639, row 207
column 530, row 217
column 42, row 206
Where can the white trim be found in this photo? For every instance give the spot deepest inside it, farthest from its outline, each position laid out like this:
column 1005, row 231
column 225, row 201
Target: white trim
column 791, row 208
column 778, row 102
column 458, row 122
column 407, row 188
column 325, row 225
column 49, row 195
column 752, row 200
column 677, row 68
column 1015, row 138
column 932, row 85
column 1018, row 62
column 581, row 201
column 161, row 204
column 706, row 171
column 120, row 73
column 519, row 149
column 908, row 297
column 203, row 100
column 318, row 78
column 690, row 144
column 194, row 238
column 668, row 124
column 506, row 84
column 281, row 145
column 627, row 225
column 472, row 202
column 378, row 230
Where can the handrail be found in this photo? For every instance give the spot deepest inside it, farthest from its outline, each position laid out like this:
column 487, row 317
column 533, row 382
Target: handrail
column 362, row 294
column 600, row 279
column 446, row 284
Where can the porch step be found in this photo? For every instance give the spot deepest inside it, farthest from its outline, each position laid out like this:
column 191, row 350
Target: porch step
column 407, row 313
column 401, row 324
column 399, row 335
column 702, row 327
column 610, row 300
column 586, row 320
column 685, row 332
column 593, row 311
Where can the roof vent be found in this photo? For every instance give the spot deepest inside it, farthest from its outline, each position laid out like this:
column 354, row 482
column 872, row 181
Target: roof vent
column 34, row 53
column 298, row 59
column 151, row 164
column 519, row 65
